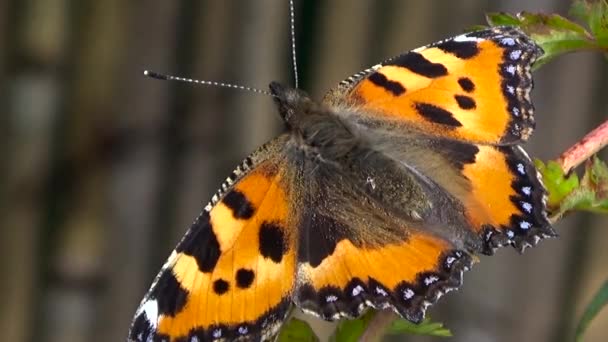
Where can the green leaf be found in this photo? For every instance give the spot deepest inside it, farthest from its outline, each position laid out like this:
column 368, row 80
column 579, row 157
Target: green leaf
column 597, row 303
column 555, row 34
column 569, row 193
column 595, row 182
column 558, row 185
column 580, row 10
column 298, row 331
column 349, row 330
column 501, row 18
column 595, row 14
column 581, row 199
column 402, row 326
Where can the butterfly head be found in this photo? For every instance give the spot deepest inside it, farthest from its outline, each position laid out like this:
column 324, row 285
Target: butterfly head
column 317, row 128
column 294, row 104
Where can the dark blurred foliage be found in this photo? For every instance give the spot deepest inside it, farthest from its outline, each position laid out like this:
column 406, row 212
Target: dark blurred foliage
column 103, row 169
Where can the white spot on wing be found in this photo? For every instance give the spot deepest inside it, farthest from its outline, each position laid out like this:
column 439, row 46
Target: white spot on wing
column 357, row 290
column 430, row 280
column 466, row 38
column 243, row 330
column 510, row 234
column 381, row 292
column 521, row 169
column 525, row 225
column 217, row 333
column 150, row 309
column 515, row 111
column 507, row 41
column 450, row 260
column 515, row 54
column 526, row 190
column 527, row 206
column 408, row 293
column 510, row 69
column 510, row 89
column 331, row 298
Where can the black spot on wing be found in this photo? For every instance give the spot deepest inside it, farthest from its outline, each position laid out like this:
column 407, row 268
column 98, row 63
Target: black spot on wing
column 458, row 153
column 380, row 80
column 416, row 63
column 320, row 234
column 466, row 84
column 462, row 49
column 465, row 102
column 244, row 278
column 436, row 114
column 169, row 294
column 220, row 286
column 201, row 243
column 239, row 204
column 272, row 241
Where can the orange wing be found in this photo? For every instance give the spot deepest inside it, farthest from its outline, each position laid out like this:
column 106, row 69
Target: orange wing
column 406, row 276
column 232, row 274
column 474, row 87
column 504, row 198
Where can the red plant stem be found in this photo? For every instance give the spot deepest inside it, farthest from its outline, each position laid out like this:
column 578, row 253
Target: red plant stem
column 585, row 148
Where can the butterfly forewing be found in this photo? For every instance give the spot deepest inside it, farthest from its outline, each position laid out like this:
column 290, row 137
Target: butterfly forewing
column 474, row 87
column 232, row 274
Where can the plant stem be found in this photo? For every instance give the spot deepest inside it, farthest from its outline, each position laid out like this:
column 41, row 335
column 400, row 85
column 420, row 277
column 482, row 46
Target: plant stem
column 585, row 148
column 378, row 326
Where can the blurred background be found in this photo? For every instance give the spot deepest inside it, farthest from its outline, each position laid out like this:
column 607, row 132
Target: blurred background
column 103, row 170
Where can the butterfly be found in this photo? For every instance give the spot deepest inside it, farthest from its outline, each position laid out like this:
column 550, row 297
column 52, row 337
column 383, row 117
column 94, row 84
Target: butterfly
column 381, row 195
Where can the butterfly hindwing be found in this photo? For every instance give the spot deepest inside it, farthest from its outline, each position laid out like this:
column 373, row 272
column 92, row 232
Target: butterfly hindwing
column 508, row 193
column 373, row 234
column 232, row 274
column 502, row 193
column 474, row 87
column 497, row 188
column 406, row 276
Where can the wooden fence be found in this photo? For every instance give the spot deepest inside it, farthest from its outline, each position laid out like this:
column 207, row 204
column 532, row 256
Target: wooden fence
column 102, row 169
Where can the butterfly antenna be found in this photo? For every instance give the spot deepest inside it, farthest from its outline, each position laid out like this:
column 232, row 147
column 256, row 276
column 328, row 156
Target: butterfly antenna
column 292, row 21
column 160, row 76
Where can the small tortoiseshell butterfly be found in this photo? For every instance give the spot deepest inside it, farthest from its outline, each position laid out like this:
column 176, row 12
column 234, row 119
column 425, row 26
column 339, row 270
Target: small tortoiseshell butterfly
column 378, row 196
